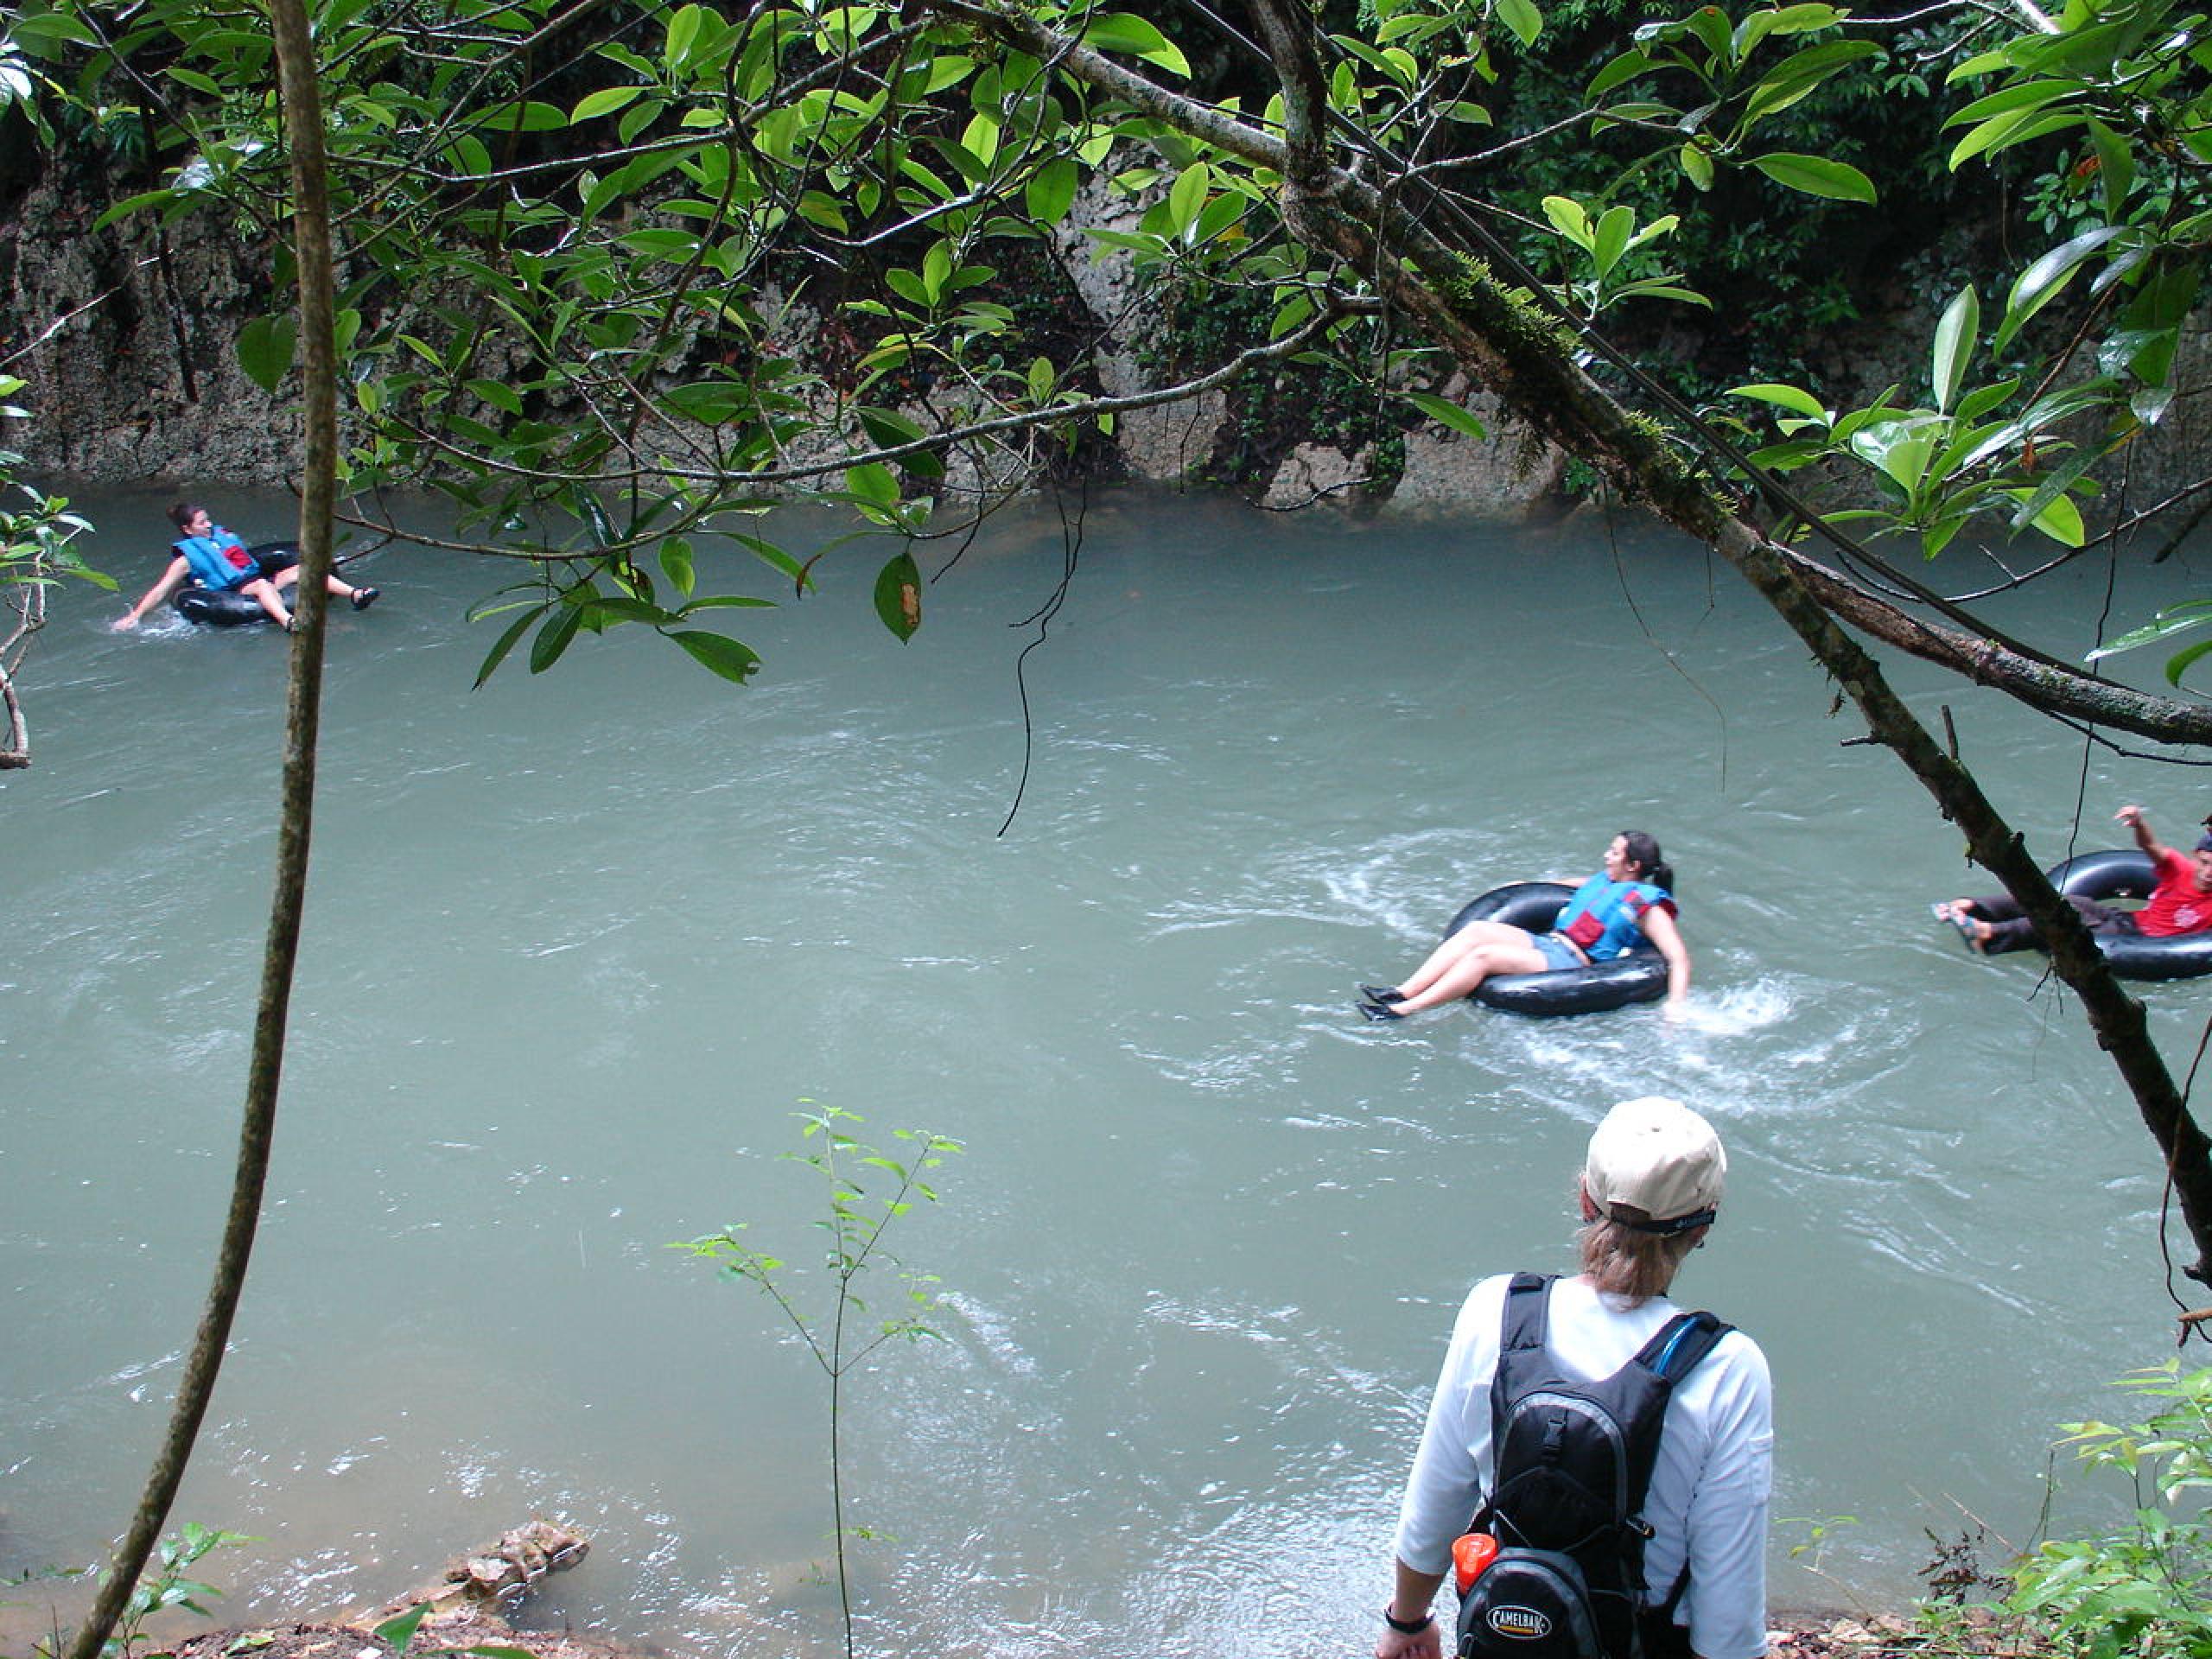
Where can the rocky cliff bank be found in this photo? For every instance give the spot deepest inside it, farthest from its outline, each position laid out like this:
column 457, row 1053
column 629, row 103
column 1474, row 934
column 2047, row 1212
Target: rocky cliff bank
column 127, row 337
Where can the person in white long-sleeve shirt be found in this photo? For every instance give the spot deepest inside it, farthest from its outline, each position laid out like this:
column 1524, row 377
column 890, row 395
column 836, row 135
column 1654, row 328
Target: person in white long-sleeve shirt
column 1649, row 1188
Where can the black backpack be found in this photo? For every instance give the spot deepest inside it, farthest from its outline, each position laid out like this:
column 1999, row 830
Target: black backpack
column 1572, row 1463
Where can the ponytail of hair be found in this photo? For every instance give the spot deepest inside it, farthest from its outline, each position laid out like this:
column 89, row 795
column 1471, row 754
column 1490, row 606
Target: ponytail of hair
column 1651, row 866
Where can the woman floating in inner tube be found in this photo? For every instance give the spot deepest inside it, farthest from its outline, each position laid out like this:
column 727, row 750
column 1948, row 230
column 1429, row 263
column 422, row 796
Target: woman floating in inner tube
column 207, row 553
column 1631, row 901
column 2180, row 903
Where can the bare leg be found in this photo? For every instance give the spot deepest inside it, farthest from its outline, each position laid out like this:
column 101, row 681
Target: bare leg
column 265, row 596
column 1461, row 977
column 1455, row 949
column 333, row 584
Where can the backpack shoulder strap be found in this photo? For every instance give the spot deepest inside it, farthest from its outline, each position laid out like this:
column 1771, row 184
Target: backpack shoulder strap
column 1522, row 1324
column 1679, row 1346
column 1522, row 1362
column 1527, row 1317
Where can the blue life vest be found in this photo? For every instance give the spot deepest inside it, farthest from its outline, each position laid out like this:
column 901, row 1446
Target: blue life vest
column 1605, row 918
column 219, row 559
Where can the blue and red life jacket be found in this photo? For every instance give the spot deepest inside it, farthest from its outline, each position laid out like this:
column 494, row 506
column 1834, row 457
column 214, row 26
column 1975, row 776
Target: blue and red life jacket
column 1606, row 918
column 219, row 559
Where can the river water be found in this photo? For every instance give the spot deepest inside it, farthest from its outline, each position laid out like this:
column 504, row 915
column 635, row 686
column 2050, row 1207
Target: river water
column 582, row 945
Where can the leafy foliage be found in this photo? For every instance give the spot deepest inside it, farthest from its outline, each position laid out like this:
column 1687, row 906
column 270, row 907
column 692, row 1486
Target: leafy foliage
column 35, row 541
column 1936, row 469
column 165, row 1586
column 2145, row 1587
column 616, row 281
column 856, row 1221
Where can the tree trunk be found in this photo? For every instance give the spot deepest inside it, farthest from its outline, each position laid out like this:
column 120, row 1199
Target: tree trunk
column 302, row 111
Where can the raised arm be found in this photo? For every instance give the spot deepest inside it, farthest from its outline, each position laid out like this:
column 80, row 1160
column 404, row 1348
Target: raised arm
column 179, row 567
column 2133, row 818
column 1658, row 924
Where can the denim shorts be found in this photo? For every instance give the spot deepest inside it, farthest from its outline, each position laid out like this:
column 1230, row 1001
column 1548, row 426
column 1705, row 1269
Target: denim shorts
column 1558, row 953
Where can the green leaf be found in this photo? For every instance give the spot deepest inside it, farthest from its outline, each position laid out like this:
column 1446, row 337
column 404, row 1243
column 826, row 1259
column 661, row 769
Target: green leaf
column 2042, row 281
column 2180, row 663
column 2025, row 95
column 1954, row 342
column 499, row 395
column 1696, row 165
column 1623, row 69
column 2060, row 521
column 130, row 204
column 401, row 1631
column 1521, row 17
column 1122, row 31
column 819, row 207
column 2175, row 618
column 676, row 564
column 899, row 596
column 1816, row 175
column 1448, row 413
column 1710, row 27
column 1187, row 196
column 1937, row 536
column 1611, row 239
column 1799, row 75
column 683, row 30
column 981, row 139
column 718, row 653
column 555, row 638
column 1979, row 402
column 620, row 608
column 1570, row 219
column 523, row 114
column 1659, row 289
column 873, row 483
column 2149, row 404
column 50, row 28
column 605, row 101
column 265, row 349
column 947, row 72
column 1051, row 191
column 886, row 429
column 1793, row 398
column 2115, row 166
column 2005, row 132
column 1900, row 448
column 1800, row 19
column 497, row 654
column 1224, row 211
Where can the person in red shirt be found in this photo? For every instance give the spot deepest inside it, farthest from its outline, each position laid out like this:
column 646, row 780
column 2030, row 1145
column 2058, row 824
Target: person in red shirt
column 2181, row 902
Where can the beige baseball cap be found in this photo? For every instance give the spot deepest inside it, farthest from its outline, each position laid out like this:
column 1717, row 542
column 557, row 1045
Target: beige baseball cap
column 1661, row 1158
